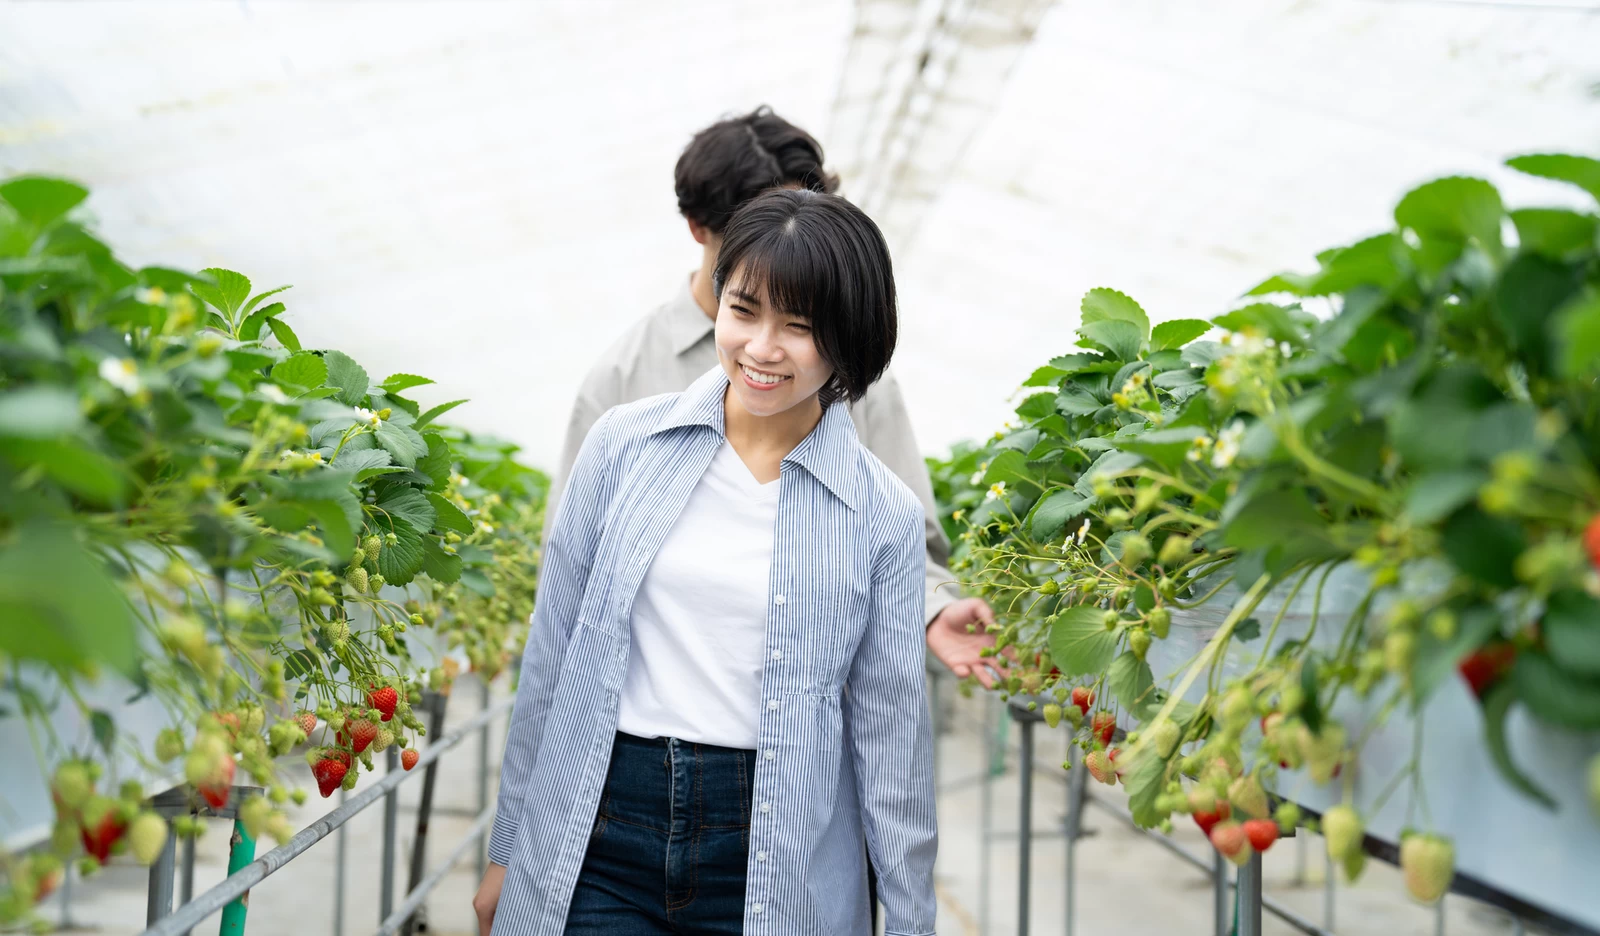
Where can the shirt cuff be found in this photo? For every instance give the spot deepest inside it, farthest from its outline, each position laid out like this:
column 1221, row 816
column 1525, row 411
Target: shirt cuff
column 503, row 834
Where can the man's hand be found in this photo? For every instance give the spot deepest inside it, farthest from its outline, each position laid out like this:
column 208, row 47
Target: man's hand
column 487, row 899
column 957, row 649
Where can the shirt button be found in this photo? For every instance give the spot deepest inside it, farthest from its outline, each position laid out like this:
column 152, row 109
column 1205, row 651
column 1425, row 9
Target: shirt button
column 761, row 856
column 755, row 908
column 772, row 705
column 777, row 599
column 771, row 753
column 766, row 807
column 777, row 654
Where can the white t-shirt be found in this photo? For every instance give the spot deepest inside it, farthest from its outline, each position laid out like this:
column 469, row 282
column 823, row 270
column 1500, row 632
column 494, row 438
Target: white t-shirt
column 700, row 617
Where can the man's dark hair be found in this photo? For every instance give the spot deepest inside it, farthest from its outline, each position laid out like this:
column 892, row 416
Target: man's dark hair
column 822, row 259
column 734, row 160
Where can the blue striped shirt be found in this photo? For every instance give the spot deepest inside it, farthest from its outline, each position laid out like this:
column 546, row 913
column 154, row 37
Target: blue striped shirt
column 845, row 609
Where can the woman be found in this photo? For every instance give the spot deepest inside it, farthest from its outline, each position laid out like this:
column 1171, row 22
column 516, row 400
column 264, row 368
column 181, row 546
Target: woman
column 722, row 693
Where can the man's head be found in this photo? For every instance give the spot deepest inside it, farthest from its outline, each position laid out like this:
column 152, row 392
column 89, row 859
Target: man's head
column 734, row 160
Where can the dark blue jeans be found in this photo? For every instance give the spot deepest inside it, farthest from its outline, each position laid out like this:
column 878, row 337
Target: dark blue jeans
column 670, row 841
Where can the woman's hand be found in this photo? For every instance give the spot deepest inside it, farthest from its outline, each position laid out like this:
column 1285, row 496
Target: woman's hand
column 488, row 897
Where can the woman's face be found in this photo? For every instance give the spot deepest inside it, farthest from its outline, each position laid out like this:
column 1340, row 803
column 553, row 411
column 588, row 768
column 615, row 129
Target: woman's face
column 770, row 358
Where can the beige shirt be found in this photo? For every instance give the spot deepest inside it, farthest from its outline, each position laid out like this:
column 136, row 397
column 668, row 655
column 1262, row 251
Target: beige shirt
column 665, row 352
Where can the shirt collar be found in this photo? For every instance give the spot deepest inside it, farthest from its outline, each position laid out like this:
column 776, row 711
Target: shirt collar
column 687, row 323
column 828, row 453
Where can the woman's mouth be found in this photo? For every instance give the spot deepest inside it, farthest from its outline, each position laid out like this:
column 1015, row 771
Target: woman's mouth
column 761, row 380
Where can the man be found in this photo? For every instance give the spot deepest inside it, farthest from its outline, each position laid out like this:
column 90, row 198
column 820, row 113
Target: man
column 724, row 166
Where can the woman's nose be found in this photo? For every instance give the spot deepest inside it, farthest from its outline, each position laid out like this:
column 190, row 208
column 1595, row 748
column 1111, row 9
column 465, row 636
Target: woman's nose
column 765, row 347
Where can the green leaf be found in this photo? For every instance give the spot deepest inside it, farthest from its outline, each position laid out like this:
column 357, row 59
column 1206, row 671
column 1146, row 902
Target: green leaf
column 1554, row 232
column 1271, row 517
column 300, row 664
column 1143, row 785
column 1247, row 630
column 1311, row 709
column 1438, row 494
column 1577, row 330
column 229, row 292
column 1582, row 171
column 1455, row 209
column 302, row 370
column 400, row 562
column 447, row 516
column 82, row 471
column 103, row 728
column 1079, row 641
column 251, row 329
column 1103, row 305
column 436, row 412
column 1055, row 509
column 1074, row 400
column 1010, row 466
column 1168, row 447
column 1130, row 681
column 1122, row 339
column 284, row 334
column 360, row 460
column 395, row 383
column 1045, row 376
column 1177, row 332
column 41, row 200
column 1037, row 406
column 407, row 504
column 1572, row 632
column 256, row 299
column 39, row 412
column 1530, row 291
column 438, row 564
column 1280, row 323
column 477, row 582
column 1555, row 695
column 1109, row 465
column 70, row 627
column 436, row 464
column 1495, row 707
column 1483, row 546
column 348, row 376
column 403, row 442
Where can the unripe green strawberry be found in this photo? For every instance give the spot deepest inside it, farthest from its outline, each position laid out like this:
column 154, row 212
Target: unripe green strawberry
column 378, row 581
column 349, row 782
column 418, row 620
column 186, row 635
column 1429, row 863
column 1237, row 707
column 1052, row 714
column 1031, row 683
column 1164, row 737
column 384, row 738
column 1135, row 550
column 1399, row 649
column 1287, row 816
column 336, row 631
column 1049, row 587
column 1202, row 799
column 320, row 596
column 1014, row 685
column 1248, row 797
column 1139, row 641
column 1100, row 767
column 146, row 837
column 255, row 813
column 1159, row 621
column 1110, row 619
column 1322, row 752
column 356, row 578
column 71, row 786
column 298, row 796
column 1341, row 827
column 1074, row 716
column 1176, row 551
column 373, row 546
column 280, row 828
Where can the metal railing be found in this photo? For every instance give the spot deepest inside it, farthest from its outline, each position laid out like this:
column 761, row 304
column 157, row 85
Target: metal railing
column 247, row 873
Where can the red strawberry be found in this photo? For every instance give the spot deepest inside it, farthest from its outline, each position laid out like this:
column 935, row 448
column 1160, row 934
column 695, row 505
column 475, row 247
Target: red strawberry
column 1591, row 540
column 1100, row 767
column 1208, row 820
column 330, row 773
column 1230, row 840
column 1082, row 697
column 102, row 828
column 408, row 758
column 1261, row 832
column 1103, row 726
column 1483, row 667
column 361, row 733
column 307, row 722
column 216, row 789
column 384, row 700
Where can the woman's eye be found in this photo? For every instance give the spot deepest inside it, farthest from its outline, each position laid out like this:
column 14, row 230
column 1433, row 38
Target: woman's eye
column 802, row 329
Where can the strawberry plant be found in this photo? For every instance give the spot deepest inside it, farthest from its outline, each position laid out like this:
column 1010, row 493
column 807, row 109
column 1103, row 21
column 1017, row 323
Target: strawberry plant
column 1417, row 419
column 246, row 530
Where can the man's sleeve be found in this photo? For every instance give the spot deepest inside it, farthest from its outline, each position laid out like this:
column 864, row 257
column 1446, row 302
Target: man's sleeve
column 885, row 429
column 594, row 398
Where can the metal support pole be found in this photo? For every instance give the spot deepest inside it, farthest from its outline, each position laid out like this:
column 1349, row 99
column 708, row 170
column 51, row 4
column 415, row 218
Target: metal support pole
column 187, row 893
column 1438, row 918
column 483, row 772
column 1327, row 892
column 985, row 813
column 419, row 847
column 158, row 902
column 1299, row 860
column 1074, row 827
column 241, row 852
column 338, row 875
column 1024, row 825
column 391, row 803
column 1220, row 904
column 1249, row 903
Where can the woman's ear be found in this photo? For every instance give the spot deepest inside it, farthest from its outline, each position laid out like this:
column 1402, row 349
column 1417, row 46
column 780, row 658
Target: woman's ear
column 698, row 231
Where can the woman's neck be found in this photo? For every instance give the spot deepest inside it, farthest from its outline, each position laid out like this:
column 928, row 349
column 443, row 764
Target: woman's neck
column 762, row 442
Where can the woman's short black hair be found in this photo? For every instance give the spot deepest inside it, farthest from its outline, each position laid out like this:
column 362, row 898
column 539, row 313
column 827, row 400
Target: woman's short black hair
column 822, row 259
column 736, row 159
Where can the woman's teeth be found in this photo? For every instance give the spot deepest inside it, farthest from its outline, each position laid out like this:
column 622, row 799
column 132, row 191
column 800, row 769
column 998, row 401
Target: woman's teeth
column 761, row 378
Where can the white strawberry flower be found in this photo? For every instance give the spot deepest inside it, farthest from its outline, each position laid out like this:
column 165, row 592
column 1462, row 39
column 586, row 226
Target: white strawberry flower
column 121, row 373
column 997, row 489
column 1227, row 445
column 273, row 393
column 1083, row 532
column 369, row 417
